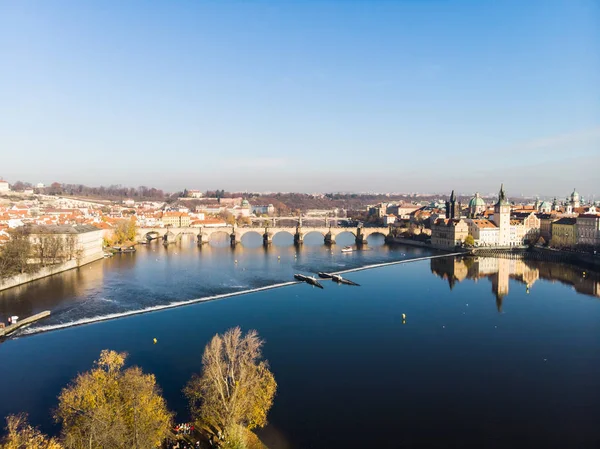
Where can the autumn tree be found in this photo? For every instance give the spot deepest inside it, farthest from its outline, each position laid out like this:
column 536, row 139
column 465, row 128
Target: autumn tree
column 247, row 221
column 15, row 254
column 469, row 240
column 125, row 230
column 21, row 435
column 228, row 217
column 236, row 387
column 112, row 408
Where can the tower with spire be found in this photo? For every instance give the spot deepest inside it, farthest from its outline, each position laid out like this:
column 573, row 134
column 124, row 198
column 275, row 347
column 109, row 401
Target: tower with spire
column 452, row 207
column 502, row 218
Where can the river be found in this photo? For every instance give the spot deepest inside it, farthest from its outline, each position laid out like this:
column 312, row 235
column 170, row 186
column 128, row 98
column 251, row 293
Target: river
column 493, row 352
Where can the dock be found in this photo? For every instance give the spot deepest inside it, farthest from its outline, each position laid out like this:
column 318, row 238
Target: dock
column 6, row 331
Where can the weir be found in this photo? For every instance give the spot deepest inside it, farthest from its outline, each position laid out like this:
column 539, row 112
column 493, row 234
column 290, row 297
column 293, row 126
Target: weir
column 172, row 305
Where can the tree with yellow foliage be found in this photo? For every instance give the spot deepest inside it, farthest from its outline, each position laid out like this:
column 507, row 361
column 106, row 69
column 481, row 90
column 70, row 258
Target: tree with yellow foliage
column 112, row 408
column 236, row 387
column 21, row 435
column 125, row 231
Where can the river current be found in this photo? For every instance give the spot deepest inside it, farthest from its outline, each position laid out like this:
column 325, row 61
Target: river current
column 492, row 353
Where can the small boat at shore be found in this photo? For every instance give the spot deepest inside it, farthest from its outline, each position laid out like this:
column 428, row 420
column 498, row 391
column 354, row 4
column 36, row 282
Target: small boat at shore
column 124, row 249
column 336, row 278
column 308, row 280
column 347, row 249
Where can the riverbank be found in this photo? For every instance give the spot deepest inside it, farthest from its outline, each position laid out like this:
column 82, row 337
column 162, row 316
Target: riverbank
column 542, row 254
column 44, row 272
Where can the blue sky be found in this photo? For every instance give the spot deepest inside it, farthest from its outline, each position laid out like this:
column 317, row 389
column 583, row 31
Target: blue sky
column 388, row 95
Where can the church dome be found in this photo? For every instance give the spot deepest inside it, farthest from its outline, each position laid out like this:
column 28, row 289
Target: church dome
column 575, row 195
column 476, row 201
column 245, row 203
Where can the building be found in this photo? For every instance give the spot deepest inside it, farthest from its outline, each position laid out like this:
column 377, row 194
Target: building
column 4, row 187
column 453, row 208
column 476, row 206
column 588, row 229
column 573, row 202
column 195, row 194
column 546, row 221
column 501, row 218
column 564, row 232
column 176, row 219
column 389, row 219
column 449, row 233
column 261, row 210
column 484, row 232
column 545, row 207
column 80, row 242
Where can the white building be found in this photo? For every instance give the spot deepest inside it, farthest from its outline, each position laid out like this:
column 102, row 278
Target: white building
column 501, row 230
column 4, row 187
column 588, row 229
column 86, row 240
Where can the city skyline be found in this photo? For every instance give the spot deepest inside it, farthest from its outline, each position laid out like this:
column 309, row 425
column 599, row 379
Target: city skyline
column 312, row 97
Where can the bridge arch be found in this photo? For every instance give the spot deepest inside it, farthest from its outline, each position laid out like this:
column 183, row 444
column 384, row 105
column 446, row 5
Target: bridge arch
column 152, row 235
column 219, row 238
column 251, row 237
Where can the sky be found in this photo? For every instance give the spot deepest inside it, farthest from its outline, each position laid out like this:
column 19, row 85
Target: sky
column 311, row 96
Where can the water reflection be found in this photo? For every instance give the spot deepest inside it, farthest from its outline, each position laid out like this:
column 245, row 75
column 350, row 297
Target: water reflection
column 501, row 270
column 158, row 274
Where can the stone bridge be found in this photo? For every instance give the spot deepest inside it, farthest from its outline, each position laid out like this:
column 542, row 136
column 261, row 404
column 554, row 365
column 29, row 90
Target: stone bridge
column 204, row 234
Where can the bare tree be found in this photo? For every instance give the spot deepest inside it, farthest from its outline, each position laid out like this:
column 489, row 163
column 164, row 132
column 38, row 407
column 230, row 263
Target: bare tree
column 236, row 387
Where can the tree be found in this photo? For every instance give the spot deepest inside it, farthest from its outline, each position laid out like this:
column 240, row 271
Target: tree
column 21, row 435
column 469, row 240
column 112, row 408
column 236, row 387
column 244, row 221
column 15, row 253
column 228, row 217
column 125, row 231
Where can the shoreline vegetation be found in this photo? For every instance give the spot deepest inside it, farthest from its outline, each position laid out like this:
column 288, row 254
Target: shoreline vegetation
column 110, row 407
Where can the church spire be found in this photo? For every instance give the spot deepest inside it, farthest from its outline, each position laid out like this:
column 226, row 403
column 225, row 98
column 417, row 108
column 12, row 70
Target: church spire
column 502, row 196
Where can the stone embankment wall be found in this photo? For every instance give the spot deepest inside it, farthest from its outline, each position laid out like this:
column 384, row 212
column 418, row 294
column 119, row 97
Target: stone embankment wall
column 542, row 254
column 410, row 242
column 24, row 278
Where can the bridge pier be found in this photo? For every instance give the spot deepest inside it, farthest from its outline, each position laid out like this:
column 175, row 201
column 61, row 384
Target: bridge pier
column 233, row 239
column 267, row 238
column 361, row 238
column 169, row 237
column 329, row 238
column 298, row 238
column 202, row 239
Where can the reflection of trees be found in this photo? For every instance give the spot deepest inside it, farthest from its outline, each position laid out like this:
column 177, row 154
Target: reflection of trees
column 51, row 292
column 501, row 270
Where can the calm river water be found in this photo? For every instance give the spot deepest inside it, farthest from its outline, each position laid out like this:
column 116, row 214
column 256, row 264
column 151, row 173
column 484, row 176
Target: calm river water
column 493, row 352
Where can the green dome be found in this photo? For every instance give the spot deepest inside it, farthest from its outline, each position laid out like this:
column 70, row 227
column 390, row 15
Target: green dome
column 574, row 195
column 476, row 201
column 245, row 203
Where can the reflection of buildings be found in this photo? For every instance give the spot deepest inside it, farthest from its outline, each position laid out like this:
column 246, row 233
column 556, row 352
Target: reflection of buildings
column 501, row 270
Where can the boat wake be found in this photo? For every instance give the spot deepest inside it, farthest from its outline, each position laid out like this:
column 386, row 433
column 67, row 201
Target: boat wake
column 171, row 305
